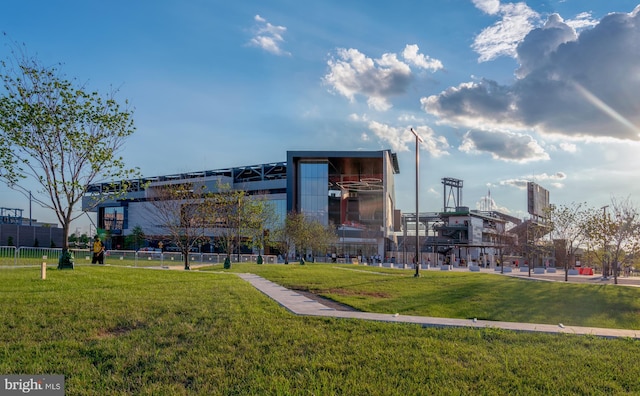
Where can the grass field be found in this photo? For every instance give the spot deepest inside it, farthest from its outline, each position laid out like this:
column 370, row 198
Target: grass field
column 461, row 295
column 120, row 331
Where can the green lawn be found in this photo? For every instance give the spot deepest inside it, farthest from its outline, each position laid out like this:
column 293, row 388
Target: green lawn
column 120, row 331
column 461, row 295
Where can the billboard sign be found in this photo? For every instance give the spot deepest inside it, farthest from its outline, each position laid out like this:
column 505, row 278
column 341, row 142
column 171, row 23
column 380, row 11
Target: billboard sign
column 537, row 199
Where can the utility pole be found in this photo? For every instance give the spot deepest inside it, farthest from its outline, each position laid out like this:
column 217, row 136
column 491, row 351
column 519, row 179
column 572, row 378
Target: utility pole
column 605, row 264
column 418, row 140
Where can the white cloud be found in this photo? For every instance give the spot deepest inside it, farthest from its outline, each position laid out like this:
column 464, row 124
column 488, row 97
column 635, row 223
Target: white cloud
column 521, row 182
column 518, row 183
column 540, row 43
column 569, row 84
column 268, row 37
column 351, row 73
column 503, row 37
column 582, row 21
column 490, row 7
column 553, row 176
column 568, row 147
column 487, row 203
column 411, row 55
column 503, row 146
column 401, row 139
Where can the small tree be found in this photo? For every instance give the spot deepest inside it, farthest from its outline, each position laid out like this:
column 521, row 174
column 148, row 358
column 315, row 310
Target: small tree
column 505, row 243
column 224, row 211
column 303, row 234
column 568, row 228
column 625, row 233
column 598, row 228
column 320, row 236
column 260, row 217
column 54, row 131
column 178, row 210
column 284, row 236
column 135, row 238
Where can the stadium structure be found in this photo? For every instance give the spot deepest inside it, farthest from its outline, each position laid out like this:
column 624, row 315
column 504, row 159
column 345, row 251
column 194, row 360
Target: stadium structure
column 353, row 191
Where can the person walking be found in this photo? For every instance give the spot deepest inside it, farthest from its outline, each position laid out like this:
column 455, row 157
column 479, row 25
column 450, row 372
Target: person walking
column 98, row 251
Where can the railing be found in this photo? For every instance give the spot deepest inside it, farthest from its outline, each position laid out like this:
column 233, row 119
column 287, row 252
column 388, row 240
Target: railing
column 10, row 255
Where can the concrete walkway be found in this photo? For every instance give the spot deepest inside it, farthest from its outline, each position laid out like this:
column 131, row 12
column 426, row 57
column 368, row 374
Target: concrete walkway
column 300, row 305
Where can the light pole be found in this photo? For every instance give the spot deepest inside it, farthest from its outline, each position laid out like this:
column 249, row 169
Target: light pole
column 418, row 140
column 605, row 226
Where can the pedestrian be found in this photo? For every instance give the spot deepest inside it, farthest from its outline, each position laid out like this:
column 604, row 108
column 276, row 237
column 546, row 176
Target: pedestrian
column 98, row 251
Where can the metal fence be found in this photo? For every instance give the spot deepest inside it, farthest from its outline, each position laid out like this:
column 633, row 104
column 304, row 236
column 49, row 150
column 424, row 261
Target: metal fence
column 11, row 255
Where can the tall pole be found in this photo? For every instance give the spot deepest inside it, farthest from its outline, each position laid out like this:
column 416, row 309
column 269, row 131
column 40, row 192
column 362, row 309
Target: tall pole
column 605, row 225
column 238, row 232
column 418, row 140
column 30, row 216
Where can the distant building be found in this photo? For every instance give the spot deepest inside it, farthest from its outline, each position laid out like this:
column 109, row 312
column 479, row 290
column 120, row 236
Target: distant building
column 16, row 230
column 353, row 191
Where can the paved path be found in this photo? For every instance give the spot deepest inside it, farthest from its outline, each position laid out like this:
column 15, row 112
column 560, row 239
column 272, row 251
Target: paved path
column 301, row 305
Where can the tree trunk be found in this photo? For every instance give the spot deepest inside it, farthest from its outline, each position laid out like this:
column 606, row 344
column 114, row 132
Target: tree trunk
column 186, row 260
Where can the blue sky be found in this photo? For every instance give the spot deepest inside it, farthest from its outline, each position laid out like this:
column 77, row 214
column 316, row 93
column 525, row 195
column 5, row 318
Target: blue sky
column 501, row 92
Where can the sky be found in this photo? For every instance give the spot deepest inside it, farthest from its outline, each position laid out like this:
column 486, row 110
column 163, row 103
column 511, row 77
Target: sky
column 501, row 92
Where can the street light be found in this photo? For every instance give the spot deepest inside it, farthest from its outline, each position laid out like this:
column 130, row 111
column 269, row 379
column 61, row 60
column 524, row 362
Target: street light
column 605, row 264
column 418, row 140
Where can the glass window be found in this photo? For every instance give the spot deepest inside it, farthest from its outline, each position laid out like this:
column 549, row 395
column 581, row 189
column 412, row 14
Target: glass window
column 113, row 218
column 314, row 191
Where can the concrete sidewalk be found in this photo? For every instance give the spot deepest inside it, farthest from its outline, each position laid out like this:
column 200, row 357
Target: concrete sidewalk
column 300, row 305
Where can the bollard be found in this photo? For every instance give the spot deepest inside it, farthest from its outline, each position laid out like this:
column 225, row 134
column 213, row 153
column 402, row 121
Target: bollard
column 43, row 268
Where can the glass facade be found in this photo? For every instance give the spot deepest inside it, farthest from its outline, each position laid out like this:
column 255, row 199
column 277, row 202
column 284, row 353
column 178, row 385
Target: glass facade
column 314, row 190
column 113, row 219
column 346, row 190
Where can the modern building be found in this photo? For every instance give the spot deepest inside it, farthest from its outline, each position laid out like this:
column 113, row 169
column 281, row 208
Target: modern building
column 352, row 191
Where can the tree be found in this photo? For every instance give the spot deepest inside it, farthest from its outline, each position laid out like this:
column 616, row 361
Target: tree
column 320, row 236
column 303, row 234
column 260, row 217
column 568, row 229
column 505, row 243
column 614, row 236
column 224, row 212
column 285, row 234
column 135, row 238
column 238, row 217
column 624, row 233
column 179, row 211
column 597, row 228
column 64, row 137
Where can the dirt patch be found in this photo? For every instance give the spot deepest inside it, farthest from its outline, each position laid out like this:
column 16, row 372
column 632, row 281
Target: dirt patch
column 117, row 331
column 343, row 292
column 326, row 301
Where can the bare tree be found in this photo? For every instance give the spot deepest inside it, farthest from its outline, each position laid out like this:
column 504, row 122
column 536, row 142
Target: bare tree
column 285, row 234
column 238, row 218
column 598, row 228
column 505, row 243
column 59, row 134
column 568, row 229
column 180, row 212
column 224, row 212
column 624, row 232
